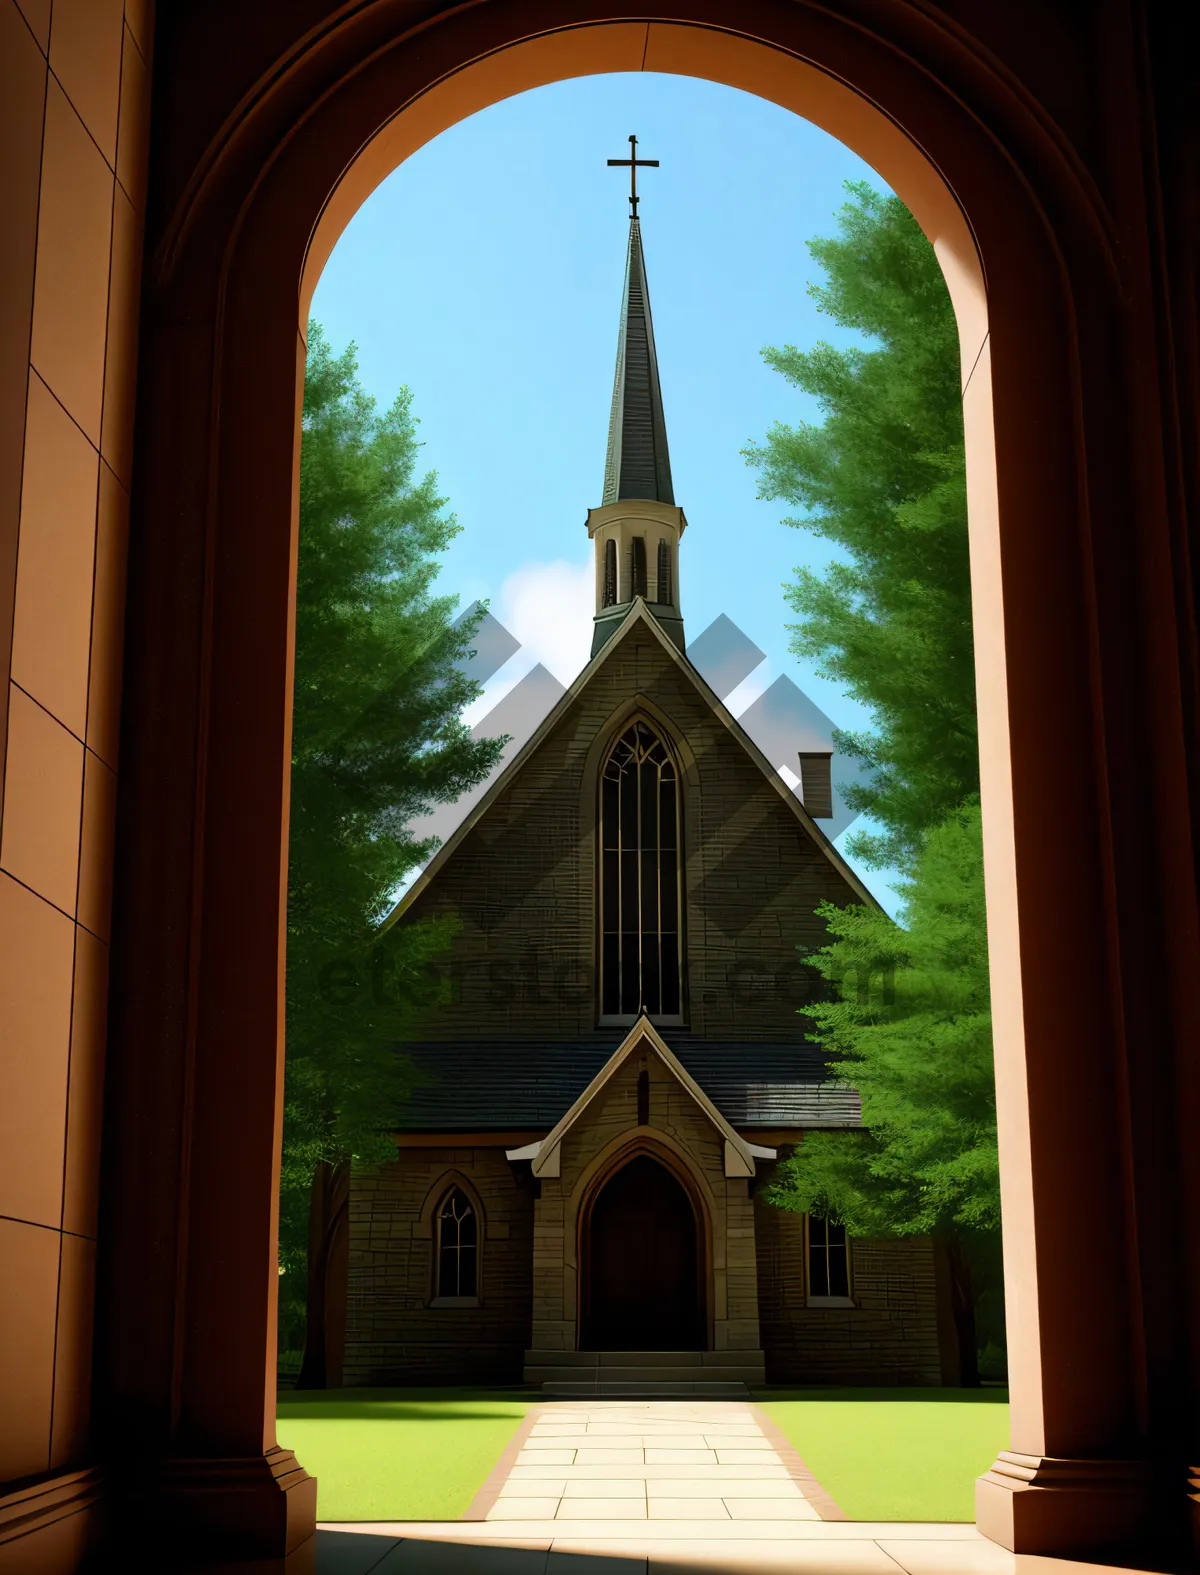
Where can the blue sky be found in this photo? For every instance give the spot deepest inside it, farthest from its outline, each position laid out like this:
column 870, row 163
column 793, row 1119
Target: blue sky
column 485, row 273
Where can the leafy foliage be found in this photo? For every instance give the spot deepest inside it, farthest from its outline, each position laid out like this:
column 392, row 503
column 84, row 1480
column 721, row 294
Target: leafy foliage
column 377, row 738
column 911, row 1029
column 883, row 478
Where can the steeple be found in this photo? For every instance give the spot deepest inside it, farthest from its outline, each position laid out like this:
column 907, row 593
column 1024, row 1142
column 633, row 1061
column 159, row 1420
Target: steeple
column 638, row 464
column 638, row 526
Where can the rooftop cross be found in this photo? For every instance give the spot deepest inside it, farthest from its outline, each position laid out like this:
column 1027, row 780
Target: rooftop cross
column 633, row 164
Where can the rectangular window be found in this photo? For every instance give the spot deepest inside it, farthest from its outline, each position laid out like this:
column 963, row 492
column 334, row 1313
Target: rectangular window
column 828, row 1264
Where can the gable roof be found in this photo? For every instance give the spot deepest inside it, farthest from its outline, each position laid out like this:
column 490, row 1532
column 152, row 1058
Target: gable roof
column 638, row 612
column 739, row 1154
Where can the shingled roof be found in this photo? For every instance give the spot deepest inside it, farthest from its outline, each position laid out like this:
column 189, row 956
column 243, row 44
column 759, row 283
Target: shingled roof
column 638, row 464
column 482, row 1085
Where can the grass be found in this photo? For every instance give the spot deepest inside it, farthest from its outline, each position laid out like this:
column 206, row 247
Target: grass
column 423, row 1454
column 399, row 1454
column 894, row 1454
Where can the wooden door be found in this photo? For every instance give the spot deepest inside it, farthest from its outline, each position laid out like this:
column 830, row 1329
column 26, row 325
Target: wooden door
column 642, row 1285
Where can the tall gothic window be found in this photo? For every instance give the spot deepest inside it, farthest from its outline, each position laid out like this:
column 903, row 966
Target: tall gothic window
column 457, row 1246
column 663, row 589
column 639, row 878
column 610, row 573
column 637, row 568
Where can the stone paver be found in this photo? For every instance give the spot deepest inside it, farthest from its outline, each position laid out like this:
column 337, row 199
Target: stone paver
column 661, row 1488
column 685, row 1461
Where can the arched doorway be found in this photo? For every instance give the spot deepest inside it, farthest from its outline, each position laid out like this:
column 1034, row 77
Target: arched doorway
column 641, row 1264
column 1090, row 1014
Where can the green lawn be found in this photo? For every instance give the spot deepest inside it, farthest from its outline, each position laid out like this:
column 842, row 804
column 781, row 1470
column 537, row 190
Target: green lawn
column 894, row 1454
column 423, row 1454
column 399, row 1454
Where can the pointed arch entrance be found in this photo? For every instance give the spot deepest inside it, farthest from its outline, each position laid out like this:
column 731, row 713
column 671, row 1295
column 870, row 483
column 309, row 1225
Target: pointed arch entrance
column 641, row 1257
column 252, row 184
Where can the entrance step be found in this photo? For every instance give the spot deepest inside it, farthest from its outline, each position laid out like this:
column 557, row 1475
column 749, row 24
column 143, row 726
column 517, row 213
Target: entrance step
column 648, row 1389
column 715, row 1375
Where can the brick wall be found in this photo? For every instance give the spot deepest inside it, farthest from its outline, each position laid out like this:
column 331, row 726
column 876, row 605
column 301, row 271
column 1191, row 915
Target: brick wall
column 521, row 881
column 889, row 1336
column 393, row 1335
column 530, row 1279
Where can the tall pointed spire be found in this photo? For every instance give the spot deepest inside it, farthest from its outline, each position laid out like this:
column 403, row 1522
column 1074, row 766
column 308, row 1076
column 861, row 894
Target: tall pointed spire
column 638, row 464
column 638, row 526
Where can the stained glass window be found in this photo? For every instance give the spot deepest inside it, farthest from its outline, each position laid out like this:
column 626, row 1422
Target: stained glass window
column 640, row 959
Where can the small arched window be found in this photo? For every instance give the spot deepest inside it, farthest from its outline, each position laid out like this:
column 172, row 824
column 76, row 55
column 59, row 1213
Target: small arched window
column 640, row 874
column 457, row 1246
column 663, row 593
column 610, row 573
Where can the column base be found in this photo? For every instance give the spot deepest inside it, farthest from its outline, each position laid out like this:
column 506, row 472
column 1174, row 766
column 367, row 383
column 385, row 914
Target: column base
column 262, row 1507
column 53, row 1524
column 1038, row 1504
column 1193, row 1493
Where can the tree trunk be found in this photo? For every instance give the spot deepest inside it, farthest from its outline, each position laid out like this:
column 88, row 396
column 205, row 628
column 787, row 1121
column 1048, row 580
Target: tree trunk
column 962, row 1306
column 328, row 1274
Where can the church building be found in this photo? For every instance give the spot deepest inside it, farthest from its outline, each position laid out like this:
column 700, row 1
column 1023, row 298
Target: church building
column 579, row 1196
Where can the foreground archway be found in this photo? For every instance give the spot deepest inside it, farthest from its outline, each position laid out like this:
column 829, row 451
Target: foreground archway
column 1089, row 1009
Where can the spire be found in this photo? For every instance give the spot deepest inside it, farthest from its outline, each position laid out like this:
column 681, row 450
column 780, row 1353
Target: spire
column 637, row 528
column 638, row 465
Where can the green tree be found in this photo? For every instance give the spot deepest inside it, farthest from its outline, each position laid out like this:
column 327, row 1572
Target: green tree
column 882, row 477
column 377, row 738
column 910, row 1027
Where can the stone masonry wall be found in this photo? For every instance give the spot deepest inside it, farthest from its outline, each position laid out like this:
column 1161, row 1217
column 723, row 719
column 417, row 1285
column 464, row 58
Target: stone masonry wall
column 394, row 1335
column 889, row 1336
column 677, row 1123
column 521, row 881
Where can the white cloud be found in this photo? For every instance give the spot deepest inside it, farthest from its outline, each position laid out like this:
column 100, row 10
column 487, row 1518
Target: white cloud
column 549, row 607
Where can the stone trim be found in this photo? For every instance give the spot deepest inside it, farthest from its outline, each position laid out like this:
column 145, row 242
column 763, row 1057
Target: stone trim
column 739, row 1155
column 445, row 1182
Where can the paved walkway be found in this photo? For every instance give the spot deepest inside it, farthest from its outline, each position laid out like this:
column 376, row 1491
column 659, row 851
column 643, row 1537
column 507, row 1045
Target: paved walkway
column 656, row 1488
column 610, row 1461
